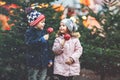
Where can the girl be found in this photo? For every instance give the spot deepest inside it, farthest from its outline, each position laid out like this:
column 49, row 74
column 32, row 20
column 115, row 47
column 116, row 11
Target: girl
column 67, row 51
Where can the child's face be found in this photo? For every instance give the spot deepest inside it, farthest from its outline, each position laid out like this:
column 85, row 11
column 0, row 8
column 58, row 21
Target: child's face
column 41, row 24
column 63, row 29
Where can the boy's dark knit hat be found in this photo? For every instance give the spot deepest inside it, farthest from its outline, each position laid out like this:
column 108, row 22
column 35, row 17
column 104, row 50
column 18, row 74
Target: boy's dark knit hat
column 34, row 17
column 70, row 24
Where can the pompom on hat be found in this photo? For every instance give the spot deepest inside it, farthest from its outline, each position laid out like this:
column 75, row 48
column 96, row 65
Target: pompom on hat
column 34, row 17
column 72, row 27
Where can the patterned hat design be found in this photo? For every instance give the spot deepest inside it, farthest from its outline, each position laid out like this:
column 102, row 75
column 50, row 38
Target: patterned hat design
column 34, row 17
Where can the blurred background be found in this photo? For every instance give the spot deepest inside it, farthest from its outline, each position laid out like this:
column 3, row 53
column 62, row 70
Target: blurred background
column 99, row 26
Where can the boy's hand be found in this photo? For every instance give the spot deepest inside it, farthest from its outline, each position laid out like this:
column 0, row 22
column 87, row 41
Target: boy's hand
column 50, row 64
column 46, row 37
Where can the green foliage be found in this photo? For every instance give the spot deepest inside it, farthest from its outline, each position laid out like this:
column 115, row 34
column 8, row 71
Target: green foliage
column 100, row 54
column 12, row 46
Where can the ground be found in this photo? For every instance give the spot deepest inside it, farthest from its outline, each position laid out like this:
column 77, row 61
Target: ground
column 90, row 75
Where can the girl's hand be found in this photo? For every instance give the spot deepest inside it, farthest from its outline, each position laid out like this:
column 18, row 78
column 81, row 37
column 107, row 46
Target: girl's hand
column 63, row 42
column 69, row 61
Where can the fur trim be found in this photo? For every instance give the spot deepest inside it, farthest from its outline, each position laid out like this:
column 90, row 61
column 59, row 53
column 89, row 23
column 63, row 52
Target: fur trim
column 75, row 34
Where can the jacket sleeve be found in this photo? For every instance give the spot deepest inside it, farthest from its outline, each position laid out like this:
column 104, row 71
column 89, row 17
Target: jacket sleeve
column 77, row 51
column 29, row 39
column 51, row 55
column 57, row 47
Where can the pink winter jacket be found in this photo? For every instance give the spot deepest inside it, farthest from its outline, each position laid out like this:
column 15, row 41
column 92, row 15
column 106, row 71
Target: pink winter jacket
column 72, row 48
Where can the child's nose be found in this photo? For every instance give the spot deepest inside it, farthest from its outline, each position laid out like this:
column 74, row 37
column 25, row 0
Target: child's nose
column 43, row 23
column 61, row 26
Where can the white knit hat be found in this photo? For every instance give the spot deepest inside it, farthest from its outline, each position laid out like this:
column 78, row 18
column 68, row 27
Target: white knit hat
column 72, row 27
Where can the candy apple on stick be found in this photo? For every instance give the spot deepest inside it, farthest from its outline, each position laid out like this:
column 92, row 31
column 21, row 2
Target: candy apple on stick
column 67, row 36
column 50, row 30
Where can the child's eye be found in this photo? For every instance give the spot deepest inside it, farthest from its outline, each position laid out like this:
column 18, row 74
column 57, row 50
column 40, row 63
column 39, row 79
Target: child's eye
column 43, row 22
column 63, row 25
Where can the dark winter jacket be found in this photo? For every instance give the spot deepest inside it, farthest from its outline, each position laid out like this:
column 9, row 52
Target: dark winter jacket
column 38, row 51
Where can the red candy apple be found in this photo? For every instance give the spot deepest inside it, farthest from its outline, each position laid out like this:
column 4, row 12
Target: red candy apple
column 50, row 30
column 67, row 36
